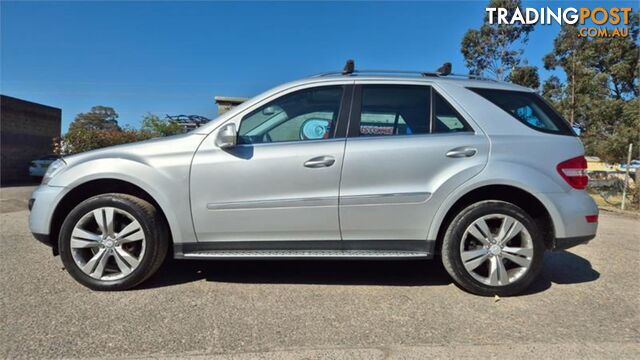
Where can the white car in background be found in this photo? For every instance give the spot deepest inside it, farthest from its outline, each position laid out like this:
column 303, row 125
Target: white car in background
column 38, row 167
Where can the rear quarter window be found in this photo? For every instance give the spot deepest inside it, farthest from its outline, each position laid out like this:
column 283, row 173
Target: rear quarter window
column 528, row 108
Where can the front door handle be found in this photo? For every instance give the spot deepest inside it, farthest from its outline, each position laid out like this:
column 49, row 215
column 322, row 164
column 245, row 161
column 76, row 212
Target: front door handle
column 460, row 152
column 320, row 161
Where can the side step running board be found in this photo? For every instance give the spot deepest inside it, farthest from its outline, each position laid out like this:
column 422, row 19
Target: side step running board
column 305, row 254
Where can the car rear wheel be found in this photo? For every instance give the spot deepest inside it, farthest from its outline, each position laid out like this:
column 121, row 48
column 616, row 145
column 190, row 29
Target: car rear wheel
column 113, row 242
column 493, row 248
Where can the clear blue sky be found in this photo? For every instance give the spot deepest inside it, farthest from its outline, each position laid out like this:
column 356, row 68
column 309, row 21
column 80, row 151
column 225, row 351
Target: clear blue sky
column 174, row 57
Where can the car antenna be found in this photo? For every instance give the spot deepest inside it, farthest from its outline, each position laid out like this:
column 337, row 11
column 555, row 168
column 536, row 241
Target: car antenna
column 444, row 70
column 349, row 67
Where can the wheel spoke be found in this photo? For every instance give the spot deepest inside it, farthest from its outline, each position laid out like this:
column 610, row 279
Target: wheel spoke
column 518, row 251
column 473, row 264
column 507, row 223
column 85, row 235
column 130, row 233
column 99, row 270
column 472, row 254
column 83, row 244
column 493, row 271
column 524, row 262
column 503, row 275
column 511, row 232
column 91, row 264
column 125, row 269
column 104, row 218
column 132, row 261
column 480, row 230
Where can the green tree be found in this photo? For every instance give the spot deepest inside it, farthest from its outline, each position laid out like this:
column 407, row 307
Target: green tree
column 601, row 90
column 525, row 76
column 98, row 118
column 552, row 89
column 495, row 48
column 96, row 129
column 81, row 140
column 157, row 127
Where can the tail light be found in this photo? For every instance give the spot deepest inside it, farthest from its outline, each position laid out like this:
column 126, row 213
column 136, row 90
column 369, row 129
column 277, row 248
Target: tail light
column 574, row 172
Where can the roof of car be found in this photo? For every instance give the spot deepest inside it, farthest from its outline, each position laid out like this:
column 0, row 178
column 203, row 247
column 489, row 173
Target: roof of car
column 461, row 80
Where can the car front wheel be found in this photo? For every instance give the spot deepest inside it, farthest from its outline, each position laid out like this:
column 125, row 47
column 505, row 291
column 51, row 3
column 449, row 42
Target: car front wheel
column 493, row 248
column 113, row 242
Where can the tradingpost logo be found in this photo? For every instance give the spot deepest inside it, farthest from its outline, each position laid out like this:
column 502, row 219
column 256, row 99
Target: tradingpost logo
column 608, row 23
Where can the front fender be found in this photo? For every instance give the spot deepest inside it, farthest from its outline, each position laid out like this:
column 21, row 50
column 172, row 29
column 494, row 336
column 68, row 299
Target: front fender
column 169, row 187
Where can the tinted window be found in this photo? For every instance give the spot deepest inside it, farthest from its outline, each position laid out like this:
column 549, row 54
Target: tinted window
column 445, row 118
column 308, row 114
column 528, row 108
column 394, row 110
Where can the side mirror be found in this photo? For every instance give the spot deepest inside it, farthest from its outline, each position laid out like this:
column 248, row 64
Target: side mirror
column 227, row 137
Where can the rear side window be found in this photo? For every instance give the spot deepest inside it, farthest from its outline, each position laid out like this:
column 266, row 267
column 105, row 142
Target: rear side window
column 394, row 110
column 445, row 118
column 528, row 108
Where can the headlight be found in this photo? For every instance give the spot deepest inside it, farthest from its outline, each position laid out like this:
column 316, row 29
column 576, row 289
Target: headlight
column 53, row 170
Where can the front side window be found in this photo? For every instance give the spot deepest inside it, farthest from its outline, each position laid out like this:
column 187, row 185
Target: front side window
column 394, row 110
column 309, row 114
column 528, row 108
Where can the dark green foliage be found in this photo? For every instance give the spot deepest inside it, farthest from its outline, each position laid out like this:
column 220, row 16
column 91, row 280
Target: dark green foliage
column 601, row 91
column 525, row 76
column 495, row 49
column 157, row 127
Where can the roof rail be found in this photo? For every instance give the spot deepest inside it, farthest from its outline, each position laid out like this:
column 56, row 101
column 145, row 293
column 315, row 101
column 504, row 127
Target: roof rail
column 378, row 71
column 443, row 71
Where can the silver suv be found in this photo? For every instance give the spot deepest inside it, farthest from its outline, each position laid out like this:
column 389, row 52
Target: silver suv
column 354, row 165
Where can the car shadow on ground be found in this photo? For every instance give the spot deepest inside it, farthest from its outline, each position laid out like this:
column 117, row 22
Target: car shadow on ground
column 563, row 268
column 559, row 268
column 321, row 272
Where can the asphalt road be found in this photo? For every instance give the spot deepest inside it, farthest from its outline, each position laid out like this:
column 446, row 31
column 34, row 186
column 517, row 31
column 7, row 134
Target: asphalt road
column 585, row 305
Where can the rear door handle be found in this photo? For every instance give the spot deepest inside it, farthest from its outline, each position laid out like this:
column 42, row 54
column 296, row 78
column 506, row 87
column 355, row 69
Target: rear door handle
column 320, row 161
column 460, row 152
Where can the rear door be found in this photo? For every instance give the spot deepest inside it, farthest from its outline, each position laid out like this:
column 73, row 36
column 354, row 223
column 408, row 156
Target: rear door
column 407, row 148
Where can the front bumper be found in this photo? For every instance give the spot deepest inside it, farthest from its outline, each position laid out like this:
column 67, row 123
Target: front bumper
column 42, row 204
column 43, row 238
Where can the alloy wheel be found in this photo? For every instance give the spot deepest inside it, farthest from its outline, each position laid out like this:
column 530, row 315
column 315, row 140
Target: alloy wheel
column 107, row 243
column 496, row 250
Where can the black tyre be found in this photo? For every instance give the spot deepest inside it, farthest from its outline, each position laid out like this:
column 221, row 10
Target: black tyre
column 493, row 248
column 113, row 242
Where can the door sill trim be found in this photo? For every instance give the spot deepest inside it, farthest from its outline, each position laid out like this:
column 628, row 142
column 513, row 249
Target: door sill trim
column 308, row 248
column 306, row 254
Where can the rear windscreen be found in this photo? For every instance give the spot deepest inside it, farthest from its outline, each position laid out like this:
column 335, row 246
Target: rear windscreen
column 528, row 108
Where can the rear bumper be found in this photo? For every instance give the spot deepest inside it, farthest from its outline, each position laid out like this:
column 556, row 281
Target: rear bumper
column 569, row 213
column 569, row 242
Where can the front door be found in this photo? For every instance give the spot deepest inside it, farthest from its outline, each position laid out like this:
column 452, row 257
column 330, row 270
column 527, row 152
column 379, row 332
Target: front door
column 280, row 182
